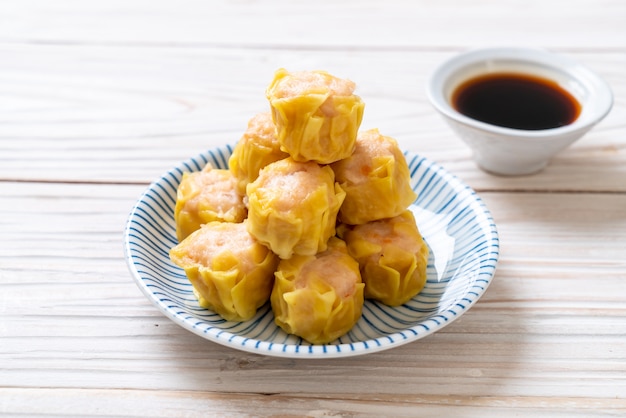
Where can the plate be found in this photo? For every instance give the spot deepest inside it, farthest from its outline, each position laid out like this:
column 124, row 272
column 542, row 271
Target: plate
column 454, row 222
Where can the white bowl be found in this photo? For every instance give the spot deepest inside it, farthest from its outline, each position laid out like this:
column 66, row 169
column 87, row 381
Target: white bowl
column 508, row 151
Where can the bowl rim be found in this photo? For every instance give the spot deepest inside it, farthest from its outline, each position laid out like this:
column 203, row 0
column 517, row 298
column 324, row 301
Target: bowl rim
column 598, row 106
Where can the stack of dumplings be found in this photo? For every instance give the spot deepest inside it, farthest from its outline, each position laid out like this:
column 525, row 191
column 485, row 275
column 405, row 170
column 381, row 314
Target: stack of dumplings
column 311, row 215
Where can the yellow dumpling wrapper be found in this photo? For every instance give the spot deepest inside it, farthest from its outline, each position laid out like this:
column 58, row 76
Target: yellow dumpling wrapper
column 317, row 115
column 256, row 148
column 231, row 273
column 392, row 256
column 318, row 297
column 206, row 196
column 293, row 206
column 376, row 180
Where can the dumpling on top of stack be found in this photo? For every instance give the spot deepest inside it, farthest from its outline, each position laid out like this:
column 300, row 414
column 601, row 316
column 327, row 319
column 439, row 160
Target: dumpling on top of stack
column 329, row 203
column 317, row 115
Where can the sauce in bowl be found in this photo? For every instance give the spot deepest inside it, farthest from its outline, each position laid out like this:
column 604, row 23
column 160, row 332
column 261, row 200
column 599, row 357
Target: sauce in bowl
column 516, row 100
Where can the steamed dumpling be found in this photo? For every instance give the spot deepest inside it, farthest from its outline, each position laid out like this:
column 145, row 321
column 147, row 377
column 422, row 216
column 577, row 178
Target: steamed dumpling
column 206, row 196
column 317, row 115
column 231, row 273
column 376, row 180
column 318, row 297
column 292, row 207
column 392, row 256
column 257, row 148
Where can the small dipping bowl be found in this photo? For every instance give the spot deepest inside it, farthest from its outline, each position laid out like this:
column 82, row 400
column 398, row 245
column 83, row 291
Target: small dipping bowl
column 511, row 151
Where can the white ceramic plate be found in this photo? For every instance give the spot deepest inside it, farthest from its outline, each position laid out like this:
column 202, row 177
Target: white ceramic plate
column 455, row 223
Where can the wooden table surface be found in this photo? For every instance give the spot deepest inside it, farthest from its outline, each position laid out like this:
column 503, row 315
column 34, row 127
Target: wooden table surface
column 99, row 98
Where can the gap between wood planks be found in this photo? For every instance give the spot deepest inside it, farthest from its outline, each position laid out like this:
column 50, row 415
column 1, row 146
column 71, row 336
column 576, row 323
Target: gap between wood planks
column 279, row 47
column 476, row 189
column 93, row 182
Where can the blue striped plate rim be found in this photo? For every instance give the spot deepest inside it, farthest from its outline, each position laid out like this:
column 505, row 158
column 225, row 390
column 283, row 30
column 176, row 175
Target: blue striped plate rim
column 455, row 223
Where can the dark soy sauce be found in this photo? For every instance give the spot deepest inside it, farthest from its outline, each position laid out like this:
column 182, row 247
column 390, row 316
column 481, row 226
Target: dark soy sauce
column 517, row 101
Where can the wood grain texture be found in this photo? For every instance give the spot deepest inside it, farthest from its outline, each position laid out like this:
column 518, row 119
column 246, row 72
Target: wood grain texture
column 111, row 114
column 550, row 328
column 579, row 24
column 202, row 404
column 97, row 99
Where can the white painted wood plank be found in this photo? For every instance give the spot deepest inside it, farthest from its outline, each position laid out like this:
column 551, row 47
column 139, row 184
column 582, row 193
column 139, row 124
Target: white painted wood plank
column 128, row 114
column 136, row 403
column 550, row 327
column 580, row 24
